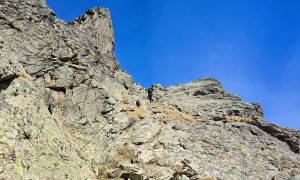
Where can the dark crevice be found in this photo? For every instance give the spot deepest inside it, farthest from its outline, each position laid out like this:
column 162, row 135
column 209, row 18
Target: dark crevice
column 27, row 135
column 8, row 78
column 71, row 87
column 6, row 81
column 59, row 89
column 64, row 59
column 67, row 58
column 125, row 86
column 199, row 93
column 253, row 133
column 234, row 113
column 138, row 103
column 11, row 25
column 50, row 109
column 103, row 113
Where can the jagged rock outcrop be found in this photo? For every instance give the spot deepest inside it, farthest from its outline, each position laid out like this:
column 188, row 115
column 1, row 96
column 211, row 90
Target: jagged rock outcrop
column 67, row 111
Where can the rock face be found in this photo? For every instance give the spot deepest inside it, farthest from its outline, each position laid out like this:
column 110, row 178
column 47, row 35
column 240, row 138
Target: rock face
column 67, row 111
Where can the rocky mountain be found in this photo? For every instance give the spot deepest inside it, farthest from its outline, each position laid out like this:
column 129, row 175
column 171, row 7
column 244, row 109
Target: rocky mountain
column 67, row 111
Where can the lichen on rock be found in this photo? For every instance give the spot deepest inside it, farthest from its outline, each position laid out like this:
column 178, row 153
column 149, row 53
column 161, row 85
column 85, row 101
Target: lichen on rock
column 67, row 111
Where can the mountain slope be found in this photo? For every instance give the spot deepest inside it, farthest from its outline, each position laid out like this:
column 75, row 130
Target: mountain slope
column 67, row 111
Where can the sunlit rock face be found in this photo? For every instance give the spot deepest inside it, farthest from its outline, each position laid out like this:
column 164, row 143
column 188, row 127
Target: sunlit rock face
column 67, row 111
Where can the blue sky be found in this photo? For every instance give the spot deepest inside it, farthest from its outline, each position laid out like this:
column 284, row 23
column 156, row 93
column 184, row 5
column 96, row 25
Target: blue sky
column 251, row 46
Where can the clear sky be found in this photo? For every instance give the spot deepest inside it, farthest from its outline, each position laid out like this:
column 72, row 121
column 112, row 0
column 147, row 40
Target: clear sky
column 251, row 46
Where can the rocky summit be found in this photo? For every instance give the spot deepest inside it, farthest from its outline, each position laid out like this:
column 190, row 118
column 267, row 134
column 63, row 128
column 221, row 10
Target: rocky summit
column 67, row 111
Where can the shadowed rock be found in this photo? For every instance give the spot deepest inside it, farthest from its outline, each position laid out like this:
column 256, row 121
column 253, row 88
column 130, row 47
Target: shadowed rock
column 67, row 111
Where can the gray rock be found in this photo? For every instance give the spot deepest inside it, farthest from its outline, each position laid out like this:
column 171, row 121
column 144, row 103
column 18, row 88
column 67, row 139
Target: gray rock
column 68, row 112
column 13, row 1
column 297, row 177
column 205, row 97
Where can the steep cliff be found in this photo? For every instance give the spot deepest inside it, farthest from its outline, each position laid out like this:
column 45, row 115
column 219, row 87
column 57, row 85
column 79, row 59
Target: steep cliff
column 67, row 111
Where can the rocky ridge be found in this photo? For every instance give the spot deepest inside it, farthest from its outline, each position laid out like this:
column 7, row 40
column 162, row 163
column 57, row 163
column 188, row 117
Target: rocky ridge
column 67, row 111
